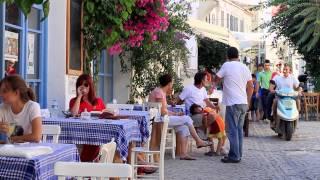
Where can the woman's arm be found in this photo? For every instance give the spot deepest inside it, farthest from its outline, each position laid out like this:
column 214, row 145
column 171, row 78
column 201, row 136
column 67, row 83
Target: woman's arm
column 4, row 127
column 35, row 135
column 76, row 105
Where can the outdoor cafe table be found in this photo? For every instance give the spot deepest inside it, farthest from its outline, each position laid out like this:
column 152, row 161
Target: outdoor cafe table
column 97, row 132
column 38, row 167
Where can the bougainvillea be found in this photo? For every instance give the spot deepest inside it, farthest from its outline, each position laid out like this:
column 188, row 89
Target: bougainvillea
column 146, row 21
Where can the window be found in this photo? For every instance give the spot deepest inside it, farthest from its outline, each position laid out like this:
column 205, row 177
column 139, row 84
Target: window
column 24, row 47
column 228, row 21
column 213, row 19
column 231, row 23
column 222, row 18
column 105, row 85
column 74, row 37
column 209, row 18
column 206, row 19
column 242, row 26
column 236, row 24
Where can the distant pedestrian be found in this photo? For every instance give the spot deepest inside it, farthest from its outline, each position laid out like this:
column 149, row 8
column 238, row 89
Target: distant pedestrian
column 237, row 92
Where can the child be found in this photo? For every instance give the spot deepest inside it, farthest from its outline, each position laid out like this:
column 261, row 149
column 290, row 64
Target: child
column 254, row 99
column 215, row 124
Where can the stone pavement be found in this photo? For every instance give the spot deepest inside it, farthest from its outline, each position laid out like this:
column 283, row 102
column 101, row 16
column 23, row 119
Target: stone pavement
column 265, row 157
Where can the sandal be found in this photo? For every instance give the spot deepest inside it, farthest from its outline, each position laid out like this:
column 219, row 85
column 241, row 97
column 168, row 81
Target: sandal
column 205, row 145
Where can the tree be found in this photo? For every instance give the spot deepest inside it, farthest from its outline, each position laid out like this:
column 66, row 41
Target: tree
column 148, row 62
column 211, row 53
column 299, row 22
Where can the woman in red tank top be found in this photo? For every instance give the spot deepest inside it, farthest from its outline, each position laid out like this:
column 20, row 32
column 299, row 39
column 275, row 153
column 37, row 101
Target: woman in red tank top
column 86, row 100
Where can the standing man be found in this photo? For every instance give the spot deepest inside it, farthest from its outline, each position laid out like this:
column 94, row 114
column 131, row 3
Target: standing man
column 237, row 92
column 258, row 94
column 264, row 82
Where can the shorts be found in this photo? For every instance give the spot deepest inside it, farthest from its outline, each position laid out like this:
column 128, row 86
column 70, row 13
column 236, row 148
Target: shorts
column 197, row 120
column 218, row 135
column 254, row 104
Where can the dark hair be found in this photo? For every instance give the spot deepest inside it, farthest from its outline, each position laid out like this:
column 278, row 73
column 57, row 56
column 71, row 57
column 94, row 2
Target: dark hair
column 193, row 108
column 92, row 93
column 260, row 65
column 199, row 77
column 165, row 80
column 16, row 83
column 232, row 53
column 253, row 76
column 267, row 61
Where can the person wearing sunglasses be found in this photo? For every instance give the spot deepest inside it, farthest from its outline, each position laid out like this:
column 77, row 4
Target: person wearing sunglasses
column 86, row 100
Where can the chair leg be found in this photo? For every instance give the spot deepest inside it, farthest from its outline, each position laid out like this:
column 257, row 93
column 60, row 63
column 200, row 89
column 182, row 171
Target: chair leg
column 133, row 158
column 173, row 148
column 306, row 114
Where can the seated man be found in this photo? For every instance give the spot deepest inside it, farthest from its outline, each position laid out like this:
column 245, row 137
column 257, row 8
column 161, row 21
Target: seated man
column 285, row 81
column 196, row 94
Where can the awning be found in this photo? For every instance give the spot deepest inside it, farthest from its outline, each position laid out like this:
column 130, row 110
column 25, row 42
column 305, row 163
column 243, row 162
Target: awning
column 214, row 32
column 248, row 40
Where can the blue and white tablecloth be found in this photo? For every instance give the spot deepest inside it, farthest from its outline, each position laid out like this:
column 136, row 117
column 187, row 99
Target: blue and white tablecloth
column 143, row 119
column 98, row 132
column 39, row 167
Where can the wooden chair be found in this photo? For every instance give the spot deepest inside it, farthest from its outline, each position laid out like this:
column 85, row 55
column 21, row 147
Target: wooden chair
column 161, row 152
column 311, row 103
column 154, row 114
column 51, row 130
column 107, row 152
column 92, row 170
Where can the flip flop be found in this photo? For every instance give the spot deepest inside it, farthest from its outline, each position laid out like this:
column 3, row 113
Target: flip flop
column 206, row 144
column 187, row 158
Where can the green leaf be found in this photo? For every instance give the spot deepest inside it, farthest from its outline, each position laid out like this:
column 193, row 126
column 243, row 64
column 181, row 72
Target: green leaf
column 125, row 15
column 90, row 6
column 25, row 6
column 37, row 1
column 45, row 9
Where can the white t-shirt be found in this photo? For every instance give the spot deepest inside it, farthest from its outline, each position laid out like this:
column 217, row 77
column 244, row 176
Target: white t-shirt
column 235, row 77
column 286, row 82
column 30, row 111
column 193, row 95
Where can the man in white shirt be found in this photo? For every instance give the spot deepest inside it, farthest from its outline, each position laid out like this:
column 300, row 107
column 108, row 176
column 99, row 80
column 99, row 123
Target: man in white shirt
column 196, row 93
column 237, row 92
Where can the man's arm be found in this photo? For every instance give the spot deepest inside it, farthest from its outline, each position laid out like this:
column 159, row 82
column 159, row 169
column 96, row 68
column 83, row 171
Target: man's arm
column 209, row 103
column 249, row 91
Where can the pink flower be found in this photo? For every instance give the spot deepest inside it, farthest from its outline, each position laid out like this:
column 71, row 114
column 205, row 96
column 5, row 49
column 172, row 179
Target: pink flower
column 115, row 49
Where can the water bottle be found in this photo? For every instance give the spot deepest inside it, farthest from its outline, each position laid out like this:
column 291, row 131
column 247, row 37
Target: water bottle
column 114, row 101
column 54, row 110
column 85, row 115
column 3, row 138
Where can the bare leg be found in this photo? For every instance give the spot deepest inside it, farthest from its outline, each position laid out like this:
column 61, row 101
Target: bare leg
column 195, row 136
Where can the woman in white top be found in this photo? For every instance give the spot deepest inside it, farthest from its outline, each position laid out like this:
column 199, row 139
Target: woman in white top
column 19, row 108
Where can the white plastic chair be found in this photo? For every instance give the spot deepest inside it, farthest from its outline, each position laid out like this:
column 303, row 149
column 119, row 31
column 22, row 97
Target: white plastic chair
column 128, row 107
column 107, row 152
column 161, row 152
column 51, row 130
column 92, row 170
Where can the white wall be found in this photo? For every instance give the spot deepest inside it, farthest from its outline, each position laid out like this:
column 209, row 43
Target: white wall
column 57, row 87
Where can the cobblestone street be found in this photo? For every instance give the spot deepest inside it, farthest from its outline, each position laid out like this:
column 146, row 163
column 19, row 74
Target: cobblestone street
column 265, row 157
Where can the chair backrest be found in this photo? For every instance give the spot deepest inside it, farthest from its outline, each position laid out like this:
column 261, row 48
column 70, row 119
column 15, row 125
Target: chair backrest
column 147, row 106
column 311, row 99
column 51, row 130
column 107, row 152
column 128, row 107
column 164, row 135
column 92, row 170
column 154, row 109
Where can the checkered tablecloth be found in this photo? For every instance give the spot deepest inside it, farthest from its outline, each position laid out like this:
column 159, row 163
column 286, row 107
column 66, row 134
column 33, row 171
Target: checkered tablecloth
column 39, row 167
column 98, row 132
column 143, row 119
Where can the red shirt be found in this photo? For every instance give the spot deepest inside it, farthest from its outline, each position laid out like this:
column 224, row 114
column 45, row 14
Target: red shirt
column 85, row 105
